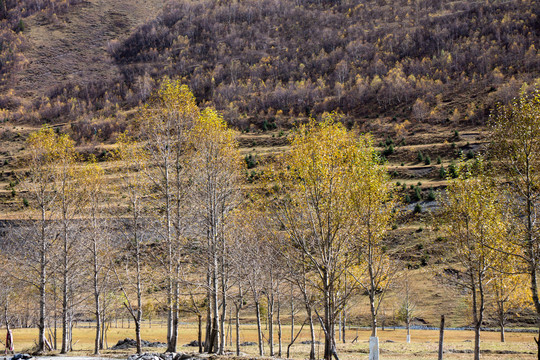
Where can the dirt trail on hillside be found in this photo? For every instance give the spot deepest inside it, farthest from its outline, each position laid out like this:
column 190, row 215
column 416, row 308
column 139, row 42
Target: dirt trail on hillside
column 74, row 49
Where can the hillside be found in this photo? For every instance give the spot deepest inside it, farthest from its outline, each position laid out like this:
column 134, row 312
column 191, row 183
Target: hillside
column 411, row 73
column 442, row 62
column 51, row 46
column 421, row 75
column 72, row 48
column 438, row 61
column 255, row 60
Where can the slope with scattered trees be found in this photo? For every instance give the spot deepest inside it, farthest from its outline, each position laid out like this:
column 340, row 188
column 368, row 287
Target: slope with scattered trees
column 274, row 60
column 258, row 58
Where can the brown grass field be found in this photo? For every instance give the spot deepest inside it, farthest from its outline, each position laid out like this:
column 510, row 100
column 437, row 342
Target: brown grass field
column 424, row 343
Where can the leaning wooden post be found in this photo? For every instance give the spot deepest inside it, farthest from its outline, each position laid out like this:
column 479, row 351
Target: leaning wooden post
column 441, row 338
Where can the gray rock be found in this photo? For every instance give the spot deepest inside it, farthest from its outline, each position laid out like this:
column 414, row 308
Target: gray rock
column 164, row 356
column 130, row 343
column 194, row 343
column 181, row 356
column 167, row 356
column 248, row 343
column 233, row 353
column 144, row 357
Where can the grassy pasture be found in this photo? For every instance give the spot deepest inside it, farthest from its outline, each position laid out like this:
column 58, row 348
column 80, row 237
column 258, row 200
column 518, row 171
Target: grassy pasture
column 392, row 342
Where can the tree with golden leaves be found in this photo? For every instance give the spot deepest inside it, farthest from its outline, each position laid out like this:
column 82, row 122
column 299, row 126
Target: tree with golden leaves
column 215, row 167
column 515, row 146
column 134, row 186
column 372, row 204
column 69, row 205
column 41, row 183
column 165, row 122
column 477, row 228
column 508, row 290
column 317, row 208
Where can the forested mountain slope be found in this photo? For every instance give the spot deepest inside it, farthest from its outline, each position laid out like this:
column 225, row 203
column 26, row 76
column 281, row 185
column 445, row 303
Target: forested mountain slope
column 277, row 60
column 366, row 59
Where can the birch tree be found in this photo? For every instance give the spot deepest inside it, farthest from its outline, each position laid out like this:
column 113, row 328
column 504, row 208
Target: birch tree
column 407, row 309
column 215, row 168
column 40, row 187
column 476, row 227
column 373, row 203
column 69, row 206
column 299, row 275
column 132, row 157
column 165, row 122
column 508, row 295
column 97, row 241
column 515, row 144
column 7, row 294
column 273, row 265
column 52, row 191
column 250, row 263
column 315, row 208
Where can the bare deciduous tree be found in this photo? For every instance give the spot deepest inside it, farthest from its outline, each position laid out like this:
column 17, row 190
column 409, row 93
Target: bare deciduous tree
column 134, row 186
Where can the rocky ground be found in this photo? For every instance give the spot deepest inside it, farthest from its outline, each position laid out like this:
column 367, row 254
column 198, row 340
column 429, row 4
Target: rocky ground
column 130, row 343
column 193, row 356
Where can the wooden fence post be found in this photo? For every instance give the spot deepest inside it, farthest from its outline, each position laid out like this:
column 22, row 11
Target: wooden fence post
column 441, row 338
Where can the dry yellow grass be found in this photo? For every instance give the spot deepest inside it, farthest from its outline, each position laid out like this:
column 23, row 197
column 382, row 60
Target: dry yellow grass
column 74, row 48
column 392, row 342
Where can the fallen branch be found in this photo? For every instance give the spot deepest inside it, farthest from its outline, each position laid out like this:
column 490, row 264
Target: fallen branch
column 298, row 333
